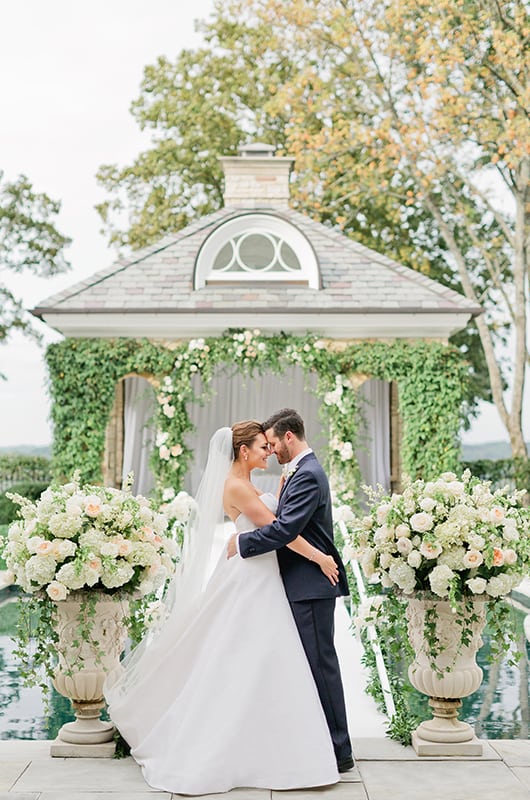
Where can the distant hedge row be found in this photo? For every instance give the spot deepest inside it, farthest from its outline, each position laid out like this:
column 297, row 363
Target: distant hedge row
column 23, row 469
column 514, row 472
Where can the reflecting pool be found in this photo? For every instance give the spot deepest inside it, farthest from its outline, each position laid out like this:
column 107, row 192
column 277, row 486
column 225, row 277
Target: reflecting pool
column 498, row 710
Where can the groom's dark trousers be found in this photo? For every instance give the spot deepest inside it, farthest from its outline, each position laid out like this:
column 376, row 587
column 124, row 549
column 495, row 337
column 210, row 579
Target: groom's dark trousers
column 304, row 509
column 315, row 622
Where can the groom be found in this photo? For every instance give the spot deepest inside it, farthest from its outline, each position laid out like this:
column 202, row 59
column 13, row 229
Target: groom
column 304, row 509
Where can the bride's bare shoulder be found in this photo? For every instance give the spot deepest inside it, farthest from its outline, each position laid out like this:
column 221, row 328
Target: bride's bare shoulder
column 239, row 486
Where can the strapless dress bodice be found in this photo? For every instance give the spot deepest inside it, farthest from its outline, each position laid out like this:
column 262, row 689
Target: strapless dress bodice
column 243, row 523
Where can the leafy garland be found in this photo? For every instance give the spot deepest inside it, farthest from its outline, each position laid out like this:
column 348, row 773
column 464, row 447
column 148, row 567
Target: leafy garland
column 431, row 380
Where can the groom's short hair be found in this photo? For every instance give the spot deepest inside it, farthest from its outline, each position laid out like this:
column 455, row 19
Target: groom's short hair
column 287, row 419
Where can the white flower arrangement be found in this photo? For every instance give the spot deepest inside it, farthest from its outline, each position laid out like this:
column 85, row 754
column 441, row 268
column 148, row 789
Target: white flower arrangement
column 91, row 538
column 452, row 537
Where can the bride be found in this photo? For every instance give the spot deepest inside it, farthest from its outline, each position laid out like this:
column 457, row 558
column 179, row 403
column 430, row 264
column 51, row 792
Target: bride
column 222, row 696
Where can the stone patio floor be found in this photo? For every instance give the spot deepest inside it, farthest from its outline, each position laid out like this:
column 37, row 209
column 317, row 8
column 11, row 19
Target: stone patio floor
column 385, row 771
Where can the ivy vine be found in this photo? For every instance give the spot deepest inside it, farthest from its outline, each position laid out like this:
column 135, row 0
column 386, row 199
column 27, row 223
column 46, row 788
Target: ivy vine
column 431, row 379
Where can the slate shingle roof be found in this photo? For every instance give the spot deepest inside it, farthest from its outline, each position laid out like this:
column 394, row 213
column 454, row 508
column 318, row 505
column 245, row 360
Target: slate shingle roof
column 354, row 278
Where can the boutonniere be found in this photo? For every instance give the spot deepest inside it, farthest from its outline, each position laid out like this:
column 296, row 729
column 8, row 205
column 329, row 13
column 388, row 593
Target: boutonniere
column 290, row 472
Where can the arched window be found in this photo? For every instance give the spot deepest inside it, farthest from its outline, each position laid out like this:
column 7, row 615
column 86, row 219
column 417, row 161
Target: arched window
column 257, row 247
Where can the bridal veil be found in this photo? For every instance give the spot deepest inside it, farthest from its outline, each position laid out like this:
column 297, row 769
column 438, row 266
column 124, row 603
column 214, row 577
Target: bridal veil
column 135, row 678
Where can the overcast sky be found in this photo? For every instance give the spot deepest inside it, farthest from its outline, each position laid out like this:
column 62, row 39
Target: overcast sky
column 68, row 73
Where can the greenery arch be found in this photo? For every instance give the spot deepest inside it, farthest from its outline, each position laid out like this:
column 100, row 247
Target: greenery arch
column 431, row 379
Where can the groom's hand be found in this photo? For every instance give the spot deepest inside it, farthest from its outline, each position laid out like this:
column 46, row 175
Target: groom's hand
column 231, row 550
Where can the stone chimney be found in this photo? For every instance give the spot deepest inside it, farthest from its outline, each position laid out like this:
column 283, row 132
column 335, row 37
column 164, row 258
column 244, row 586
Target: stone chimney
column 256, row 178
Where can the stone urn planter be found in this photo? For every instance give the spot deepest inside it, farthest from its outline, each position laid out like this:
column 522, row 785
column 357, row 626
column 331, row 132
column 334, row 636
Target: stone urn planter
column 92, row 636
column 448, row 676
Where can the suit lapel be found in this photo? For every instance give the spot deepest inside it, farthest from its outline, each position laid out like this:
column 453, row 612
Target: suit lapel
column 287, row 482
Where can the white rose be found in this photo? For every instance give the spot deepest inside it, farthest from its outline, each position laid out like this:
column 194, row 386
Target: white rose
column 163, row 452
column 402, row 531
column 510, row 557
column 473, row 558
column 404, row 546
column 382, row 512
column 383, row 534
column 414, row 559
column 429, row 550
column 346, row 451
column 456, row 488
column 33, row 542
column 146, row 587
column 496, row 515
column 93, row 505
column 168, row 494
column 427, row 504
column 161, row 438
column 477, row 585
column 56, row 591
column 421, row 522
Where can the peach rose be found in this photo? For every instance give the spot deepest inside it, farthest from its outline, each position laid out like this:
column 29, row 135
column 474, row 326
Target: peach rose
column 92, row 506
column 473, row 558
column 498, row 557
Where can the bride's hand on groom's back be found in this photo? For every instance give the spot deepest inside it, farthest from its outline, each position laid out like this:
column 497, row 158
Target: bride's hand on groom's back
column 330, row 569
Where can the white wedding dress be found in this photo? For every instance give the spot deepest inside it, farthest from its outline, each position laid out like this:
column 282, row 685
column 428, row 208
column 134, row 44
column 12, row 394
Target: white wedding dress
column 240, row 707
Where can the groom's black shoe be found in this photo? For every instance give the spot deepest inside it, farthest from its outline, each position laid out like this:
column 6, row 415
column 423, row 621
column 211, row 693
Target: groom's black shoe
column 345, row 764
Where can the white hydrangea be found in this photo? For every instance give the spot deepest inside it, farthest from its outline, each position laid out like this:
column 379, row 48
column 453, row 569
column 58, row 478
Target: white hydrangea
column 116, row 574
column 440, row 579
column 403, row 576
column 453, row 557
column 71, row 576
column 41, row 569
column 64, row 526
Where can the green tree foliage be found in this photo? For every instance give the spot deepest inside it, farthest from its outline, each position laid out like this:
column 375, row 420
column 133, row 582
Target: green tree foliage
column 332, row 84
column 29, row 241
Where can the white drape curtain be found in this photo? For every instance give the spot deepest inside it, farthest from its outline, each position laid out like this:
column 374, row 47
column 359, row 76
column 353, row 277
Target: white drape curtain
column 237, row 397
column 138, row 433
column 373, row 446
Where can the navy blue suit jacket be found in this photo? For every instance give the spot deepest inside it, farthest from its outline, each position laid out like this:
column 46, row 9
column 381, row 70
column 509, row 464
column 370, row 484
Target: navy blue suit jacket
column 304, row 509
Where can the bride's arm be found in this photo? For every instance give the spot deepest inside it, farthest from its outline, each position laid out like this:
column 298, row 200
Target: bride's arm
column 326, row 563
column 240, row 496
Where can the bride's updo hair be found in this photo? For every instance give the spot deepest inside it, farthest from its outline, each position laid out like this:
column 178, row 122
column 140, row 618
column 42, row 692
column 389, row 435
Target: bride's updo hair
column 245, row 433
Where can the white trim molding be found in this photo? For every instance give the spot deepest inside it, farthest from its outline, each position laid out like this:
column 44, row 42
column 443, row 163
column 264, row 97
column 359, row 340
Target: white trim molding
column 190, row 324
